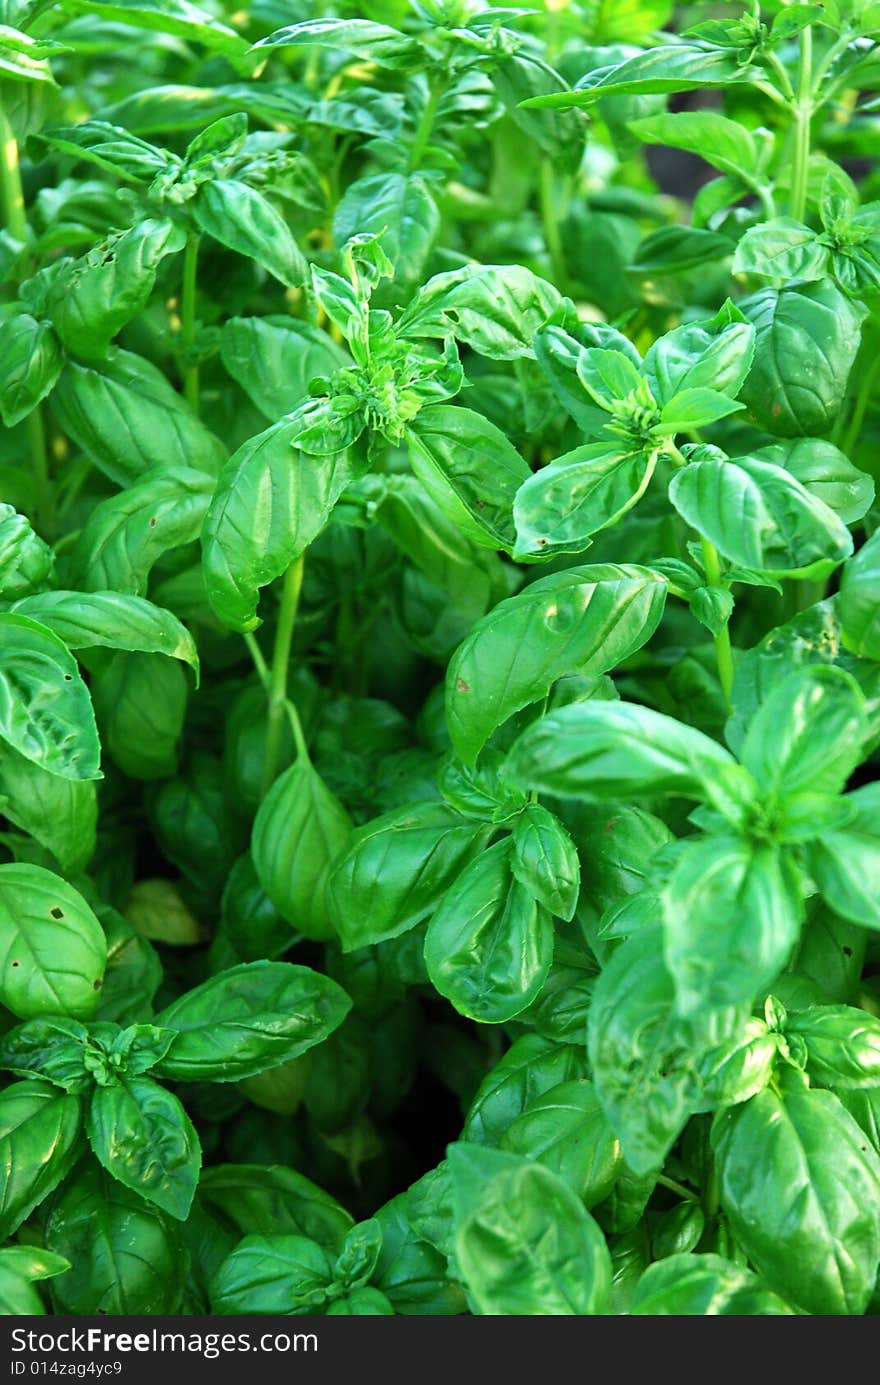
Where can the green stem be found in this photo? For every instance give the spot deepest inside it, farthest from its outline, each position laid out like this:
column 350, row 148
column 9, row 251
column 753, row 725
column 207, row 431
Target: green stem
column 678, row 1188
column 839, row 46
column 260, row 664
column 860, row 408
column 425, row 125
column 803, row 114
column 785, row 87
column 711, row 1194
column 723, row 649
column 10, row 180
column 674, row 453
column 550, row 219
column 290, row 590
column 189, row 297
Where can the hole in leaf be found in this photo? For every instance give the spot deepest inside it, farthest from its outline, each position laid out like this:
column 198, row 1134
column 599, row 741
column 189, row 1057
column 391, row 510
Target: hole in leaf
column 153, row 521
column 68, row 677
column 16, row 964
column 847, row 952
column 96, row 985
column 56, row 913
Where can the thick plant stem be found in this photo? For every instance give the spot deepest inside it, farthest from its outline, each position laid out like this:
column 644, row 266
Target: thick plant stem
column 16, row 223
column 189, row 295
column 290, row 590
column 425, row 126
column 678, row 1188
column 10, row 180
column 550, row 219
column 803, row 113
column 723, row 650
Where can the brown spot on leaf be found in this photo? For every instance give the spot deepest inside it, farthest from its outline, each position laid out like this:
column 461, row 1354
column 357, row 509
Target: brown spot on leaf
column 461, row 685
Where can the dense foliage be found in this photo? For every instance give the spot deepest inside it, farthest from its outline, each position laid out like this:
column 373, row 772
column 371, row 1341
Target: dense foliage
column 439, row 657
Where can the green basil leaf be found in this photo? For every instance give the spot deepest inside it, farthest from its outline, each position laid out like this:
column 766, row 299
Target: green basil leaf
column 843, row 1045
column 400, row 208
column 144, row 1138
column 739, row 1068
column 92, row 298
column 50, row 1049
column 674, row 67
column 801, row 1191
column 272, row 1274
column 470, row 470
column 365, row 1302
column 127, row 533
column 559, row 507
column 110, row 147
column 585, row 620
column 695, row 408
column 726, row 144
column 781, row 249
column 858, row 604
column 60, row 814
column 46, row 713
column 398, row 868
column 275, row 359
column 300, row 833
column 140, row 701
column 643, row 1054
column 567, row 1131
column 732, row 915
column 435, row 544
column 127, row 419
column 489, row 945
column 32, row 361
column 495, row 309
column 760, row 517
column 181, row 18
column 53, row 947
column 517, row 77
column 607, row 375
column 224, row 136
column 270, row 503
column 614, row 751
column 826, row 473
column 531, row 1067
column 806, row 342
column 245, row 221
column 39, row 1132
column 377, row 43
column 677, row 249
column 807, row 736
column 25, row 560
column 703, row 1286
column 269, row 1199
column 559, row 354
column 545, row 860
column 844, row 863
column 125, row 1254
column 85, row 620
column 247, row 1019
column 524, row 1241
